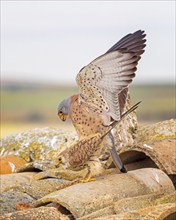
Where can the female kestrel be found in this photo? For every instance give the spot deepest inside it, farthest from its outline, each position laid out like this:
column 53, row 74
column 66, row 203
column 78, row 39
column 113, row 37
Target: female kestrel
column 103, row 86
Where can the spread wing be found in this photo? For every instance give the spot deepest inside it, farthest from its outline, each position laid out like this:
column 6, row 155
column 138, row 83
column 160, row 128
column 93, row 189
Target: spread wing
column 103, row 83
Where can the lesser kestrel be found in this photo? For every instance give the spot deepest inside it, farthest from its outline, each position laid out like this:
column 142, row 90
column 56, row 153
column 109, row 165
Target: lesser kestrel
column 103, row 86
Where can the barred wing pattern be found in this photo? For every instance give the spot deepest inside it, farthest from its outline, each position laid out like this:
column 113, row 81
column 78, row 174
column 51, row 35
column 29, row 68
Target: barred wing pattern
column 103, row 83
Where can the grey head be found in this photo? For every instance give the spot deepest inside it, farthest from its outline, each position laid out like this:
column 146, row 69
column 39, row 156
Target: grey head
column 63, row 109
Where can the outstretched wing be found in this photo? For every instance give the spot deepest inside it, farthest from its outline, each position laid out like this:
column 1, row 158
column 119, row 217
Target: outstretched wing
column 103, row 82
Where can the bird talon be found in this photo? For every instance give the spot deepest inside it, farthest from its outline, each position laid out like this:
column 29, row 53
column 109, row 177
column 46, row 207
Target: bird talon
column 88, row 179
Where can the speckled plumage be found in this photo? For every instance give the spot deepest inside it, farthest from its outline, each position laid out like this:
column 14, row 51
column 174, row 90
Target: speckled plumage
column 103, row 86
column 84, row 152
column 103, row 82
column 86, row 123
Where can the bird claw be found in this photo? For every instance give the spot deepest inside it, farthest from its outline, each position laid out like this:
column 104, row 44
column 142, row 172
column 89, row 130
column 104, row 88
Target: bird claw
column 86, row 180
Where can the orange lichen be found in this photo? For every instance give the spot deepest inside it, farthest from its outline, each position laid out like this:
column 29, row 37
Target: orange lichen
column 8, row 164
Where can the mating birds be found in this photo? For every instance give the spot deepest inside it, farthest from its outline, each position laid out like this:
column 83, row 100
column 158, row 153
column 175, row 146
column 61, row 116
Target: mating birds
column 103, row 88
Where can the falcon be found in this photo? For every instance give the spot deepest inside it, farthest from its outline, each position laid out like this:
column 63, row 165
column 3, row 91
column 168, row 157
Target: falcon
column 103, row 89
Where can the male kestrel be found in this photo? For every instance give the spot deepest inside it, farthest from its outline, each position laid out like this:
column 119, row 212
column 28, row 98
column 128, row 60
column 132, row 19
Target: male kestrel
column 103, row 86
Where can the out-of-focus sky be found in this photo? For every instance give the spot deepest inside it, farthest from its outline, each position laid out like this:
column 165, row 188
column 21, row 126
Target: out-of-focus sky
column 50, row 41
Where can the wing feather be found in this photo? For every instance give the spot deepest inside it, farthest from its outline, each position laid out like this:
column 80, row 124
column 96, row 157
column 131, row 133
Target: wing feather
column 137, row 38
column 104, row 82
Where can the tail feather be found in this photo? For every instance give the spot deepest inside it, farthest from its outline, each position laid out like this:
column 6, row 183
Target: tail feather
column 115, row 157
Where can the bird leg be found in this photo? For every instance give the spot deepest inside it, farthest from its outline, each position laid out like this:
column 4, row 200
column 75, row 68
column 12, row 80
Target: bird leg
column 94, row 169
column 115, row 157
column 88, row 177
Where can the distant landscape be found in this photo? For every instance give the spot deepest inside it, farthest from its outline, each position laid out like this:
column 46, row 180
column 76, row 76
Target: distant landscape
column 25, row 105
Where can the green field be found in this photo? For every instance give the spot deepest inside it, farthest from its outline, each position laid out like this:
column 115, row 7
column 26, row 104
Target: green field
column 158, row 101
column 30, row 106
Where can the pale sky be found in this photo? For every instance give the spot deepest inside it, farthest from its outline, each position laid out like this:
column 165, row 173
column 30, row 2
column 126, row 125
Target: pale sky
column 50, row 41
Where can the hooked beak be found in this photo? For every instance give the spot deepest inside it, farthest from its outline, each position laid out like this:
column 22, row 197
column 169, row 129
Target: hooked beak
column 57, row 165
column 62, row 116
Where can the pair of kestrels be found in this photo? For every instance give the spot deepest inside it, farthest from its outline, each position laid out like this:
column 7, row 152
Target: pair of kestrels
column 99, row 106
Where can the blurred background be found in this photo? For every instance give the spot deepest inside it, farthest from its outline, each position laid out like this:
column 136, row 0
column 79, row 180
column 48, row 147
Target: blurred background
column 44, row 44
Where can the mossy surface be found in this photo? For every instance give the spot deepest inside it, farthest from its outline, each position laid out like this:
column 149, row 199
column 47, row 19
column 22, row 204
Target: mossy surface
column 155, row 132
column 37, row 144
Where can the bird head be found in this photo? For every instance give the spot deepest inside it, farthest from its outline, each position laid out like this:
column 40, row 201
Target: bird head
column 63, row 109
column 62, row 160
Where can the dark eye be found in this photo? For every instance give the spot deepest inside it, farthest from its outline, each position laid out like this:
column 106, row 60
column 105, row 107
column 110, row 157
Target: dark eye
column 60, row 112
column 60, row 159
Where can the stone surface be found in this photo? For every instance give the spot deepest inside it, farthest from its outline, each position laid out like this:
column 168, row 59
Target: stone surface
column 83, row 199
column 38, row 189
column 131, row 204
column 156, row 132
column 42, row 213
column 126, row 131
column 159, row 212
column 162, row 153
column 36, row 144
column 139, row 194
column 13, row 180
column 9, row 199
column 139, row 202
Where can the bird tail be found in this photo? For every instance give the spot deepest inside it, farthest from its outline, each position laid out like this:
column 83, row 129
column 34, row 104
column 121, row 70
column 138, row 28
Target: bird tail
column 116, row 159
column 114, row 123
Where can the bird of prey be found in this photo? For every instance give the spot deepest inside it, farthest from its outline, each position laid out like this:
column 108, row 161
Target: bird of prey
column 81, row 153
column 103, row 88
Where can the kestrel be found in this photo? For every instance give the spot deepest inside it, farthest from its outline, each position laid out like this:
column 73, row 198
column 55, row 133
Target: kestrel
column 103, row 88
column 82, row 152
